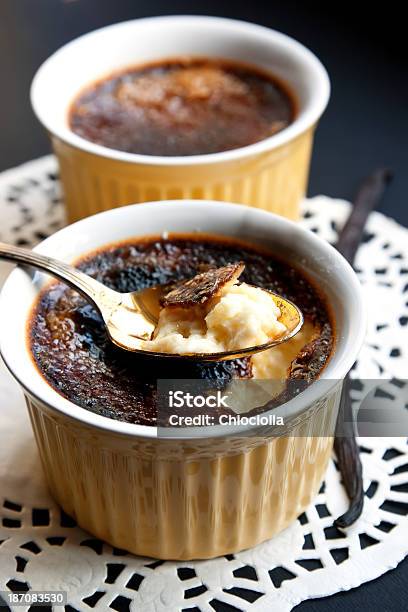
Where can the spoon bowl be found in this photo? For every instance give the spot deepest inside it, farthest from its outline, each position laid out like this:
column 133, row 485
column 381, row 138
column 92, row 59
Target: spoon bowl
column 146, row 304
column 131, row 317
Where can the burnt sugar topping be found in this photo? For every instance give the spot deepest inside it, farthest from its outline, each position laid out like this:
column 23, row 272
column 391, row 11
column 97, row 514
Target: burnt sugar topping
column 203, row 287
column 72, row 351
column 182, row 107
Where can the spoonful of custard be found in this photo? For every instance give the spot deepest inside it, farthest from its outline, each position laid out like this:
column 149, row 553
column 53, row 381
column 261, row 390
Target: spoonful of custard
column 210, row 317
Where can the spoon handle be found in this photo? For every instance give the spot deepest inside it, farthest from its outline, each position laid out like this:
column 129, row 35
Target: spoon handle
column 86, row 285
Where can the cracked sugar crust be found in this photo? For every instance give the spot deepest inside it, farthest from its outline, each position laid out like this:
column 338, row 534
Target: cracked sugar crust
column 203, row 287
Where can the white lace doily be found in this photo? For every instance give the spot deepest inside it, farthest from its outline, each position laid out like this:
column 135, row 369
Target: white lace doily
column 41, row 548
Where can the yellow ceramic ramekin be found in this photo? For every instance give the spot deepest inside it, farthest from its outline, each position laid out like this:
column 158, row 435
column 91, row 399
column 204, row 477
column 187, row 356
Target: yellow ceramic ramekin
column 213, row 490
column 184, row 499
column 271, row 174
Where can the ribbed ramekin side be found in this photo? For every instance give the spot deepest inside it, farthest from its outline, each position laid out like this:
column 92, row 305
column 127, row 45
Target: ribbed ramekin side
column 274, row 181
column 185, row 505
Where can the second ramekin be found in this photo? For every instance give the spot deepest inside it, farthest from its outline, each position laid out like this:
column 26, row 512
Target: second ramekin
column 271, row 174
column 215, row 492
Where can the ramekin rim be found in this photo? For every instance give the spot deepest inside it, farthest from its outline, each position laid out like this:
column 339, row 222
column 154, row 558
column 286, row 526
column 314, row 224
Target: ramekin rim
column 333, row 372
column 301, row 124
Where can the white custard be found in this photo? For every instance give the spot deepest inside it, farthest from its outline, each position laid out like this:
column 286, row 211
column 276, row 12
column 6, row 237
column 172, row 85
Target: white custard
column 241, row 316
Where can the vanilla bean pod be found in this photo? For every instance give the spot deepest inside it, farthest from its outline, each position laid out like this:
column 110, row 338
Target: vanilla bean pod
column 345, row 443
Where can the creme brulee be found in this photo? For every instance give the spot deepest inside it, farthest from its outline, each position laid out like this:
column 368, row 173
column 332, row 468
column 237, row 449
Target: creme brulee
column 74, row 354
column 185, row 106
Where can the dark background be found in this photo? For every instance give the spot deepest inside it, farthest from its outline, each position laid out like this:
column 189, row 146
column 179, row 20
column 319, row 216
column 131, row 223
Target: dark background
column 365, row 126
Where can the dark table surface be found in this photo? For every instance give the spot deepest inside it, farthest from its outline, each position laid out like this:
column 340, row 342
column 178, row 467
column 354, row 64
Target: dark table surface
column 364, row 127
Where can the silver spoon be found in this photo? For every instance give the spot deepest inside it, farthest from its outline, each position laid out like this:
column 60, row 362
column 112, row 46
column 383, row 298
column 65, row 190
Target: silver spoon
column 131, row 317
